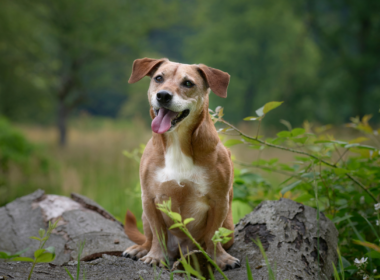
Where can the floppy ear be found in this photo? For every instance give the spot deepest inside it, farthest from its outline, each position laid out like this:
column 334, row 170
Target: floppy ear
column 143, row 67
column 216, row 79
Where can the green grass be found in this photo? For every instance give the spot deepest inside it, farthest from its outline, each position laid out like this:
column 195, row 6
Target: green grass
column 92, row 164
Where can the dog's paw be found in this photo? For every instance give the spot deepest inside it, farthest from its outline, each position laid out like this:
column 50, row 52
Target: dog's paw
column 154, row 259
column 226, row 262
column 135, row 252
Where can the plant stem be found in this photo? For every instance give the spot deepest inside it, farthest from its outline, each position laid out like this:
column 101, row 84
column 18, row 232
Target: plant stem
column 299, row 152
column 31, row 271
column 258, row 129
column 185, row 231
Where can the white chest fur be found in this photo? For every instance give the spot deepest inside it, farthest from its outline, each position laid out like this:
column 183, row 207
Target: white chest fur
column 180, row 168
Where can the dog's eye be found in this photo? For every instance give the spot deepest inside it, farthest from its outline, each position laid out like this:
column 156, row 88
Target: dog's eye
column 188, row 84
column 159, row 79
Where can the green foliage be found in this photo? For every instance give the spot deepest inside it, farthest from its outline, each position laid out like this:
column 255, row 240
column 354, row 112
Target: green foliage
column 17, row 151
column 41, row 255
column 340, row 178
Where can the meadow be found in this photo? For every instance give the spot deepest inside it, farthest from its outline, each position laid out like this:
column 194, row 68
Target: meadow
column 92, row 164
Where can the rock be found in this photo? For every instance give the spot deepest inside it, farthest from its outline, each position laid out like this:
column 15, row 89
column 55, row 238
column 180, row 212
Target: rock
column 289, row 233
column 81, row 219
column 107, row 267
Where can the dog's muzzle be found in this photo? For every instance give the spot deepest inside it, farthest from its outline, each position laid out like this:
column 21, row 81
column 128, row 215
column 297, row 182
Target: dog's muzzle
column 164, row 97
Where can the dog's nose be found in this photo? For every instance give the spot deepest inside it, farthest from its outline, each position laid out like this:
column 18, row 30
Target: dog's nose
column 164, row 97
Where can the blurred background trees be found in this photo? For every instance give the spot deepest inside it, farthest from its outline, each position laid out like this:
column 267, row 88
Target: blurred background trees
column 61, row 58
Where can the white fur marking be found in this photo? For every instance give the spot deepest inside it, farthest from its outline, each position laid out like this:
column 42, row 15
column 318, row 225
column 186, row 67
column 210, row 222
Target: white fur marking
column 179, row 167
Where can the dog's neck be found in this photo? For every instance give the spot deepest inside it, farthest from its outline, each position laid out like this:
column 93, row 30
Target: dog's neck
column 195, row 140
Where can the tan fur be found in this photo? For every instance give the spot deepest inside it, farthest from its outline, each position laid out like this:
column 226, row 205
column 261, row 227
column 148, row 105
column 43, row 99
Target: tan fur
column 130, row 229
column 207, row 195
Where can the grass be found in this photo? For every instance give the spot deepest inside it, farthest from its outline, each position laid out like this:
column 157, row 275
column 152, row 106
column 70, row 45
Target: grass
column 92, row 164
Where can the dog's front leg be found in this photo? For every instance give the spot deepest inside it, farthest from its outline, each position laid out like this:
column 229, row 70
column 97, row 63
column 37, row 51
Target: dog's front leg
column 216, row 216
column 159, row 233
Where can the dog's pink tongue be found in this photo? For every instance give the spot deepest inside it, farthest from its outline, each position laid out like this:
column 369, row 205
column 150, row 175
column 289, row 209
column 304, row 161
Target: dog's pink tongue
column 162, row 122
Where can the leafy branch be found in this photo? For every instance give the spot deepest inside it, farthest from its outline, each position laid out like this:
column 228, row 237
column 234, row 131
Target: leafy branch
column 218, row 117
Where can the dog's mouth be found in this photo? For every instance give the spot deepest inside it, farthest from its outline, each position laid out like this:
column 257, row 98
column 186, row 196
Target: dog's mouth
column 166, row 119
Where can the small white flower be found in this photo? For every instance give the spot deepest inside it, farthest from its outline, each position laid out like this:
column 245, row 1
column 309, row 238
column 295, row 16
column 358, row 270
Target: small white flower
column 377, row 222
column 377, row 206
column 362, row 261
column 374, row 271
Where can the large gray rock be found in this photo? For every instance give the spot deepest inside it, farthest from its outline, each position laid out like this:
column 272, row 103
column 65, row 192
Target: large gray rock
column 107, row 267
column 81, row 219
column 290, row 234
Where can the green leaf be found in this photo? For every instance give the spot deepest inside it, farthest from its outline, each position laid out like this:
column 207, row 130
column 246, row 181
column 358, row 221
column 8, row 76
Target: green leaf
column 250, row 118
column 176, row 225
column 345, row 262
column 253, row 141
column 224, row 231
column 232, row 142
column 68, row 272
column 41, row 232
column 286, row 167
column 175, row 216
column 50, row 249
column 297, row 131
column 340, row 219
column 4, row 255
column 35, row 238
column 360, row 147
column 290, row 187
column 188, row 220
column 340, row 171
column 301, row 140
column 38, row 253
column 22, row 259
column 284, row 134
column 271, row 105
column 19, row 253
column 45, row 257
column 226, row 239
column 249, row 273
column 373, row 254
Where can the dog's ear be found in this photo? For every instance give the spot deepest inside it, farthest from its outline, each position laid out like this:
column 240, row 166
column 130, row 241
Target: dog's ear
column 216, row 79
column 143, row 67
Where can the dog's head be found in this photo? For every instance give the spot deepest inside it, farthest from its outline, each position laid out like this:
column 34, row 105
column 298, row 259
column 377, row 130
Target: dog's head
column 177, row 92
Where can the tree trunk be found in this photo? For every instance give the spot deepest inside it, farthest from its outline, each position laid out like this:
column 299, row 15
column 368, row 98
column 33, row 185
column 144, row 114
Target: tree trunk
column 62, row 122
column 248, row 108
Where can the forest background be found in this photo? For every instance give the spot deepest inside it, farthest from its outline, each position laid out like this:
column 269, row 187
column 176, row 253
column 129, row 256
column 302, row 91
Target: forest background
column 70, row 122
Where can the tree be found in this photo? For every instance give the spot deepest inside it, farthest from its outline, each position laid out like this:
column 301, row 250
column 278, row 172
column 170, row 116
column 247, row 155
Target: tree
column 347, row 32
column 87, row 46
column 265, row 47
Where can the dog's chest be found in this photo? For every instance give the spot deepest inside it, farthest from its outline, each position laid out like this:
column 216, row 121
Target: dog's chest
column 181, row 168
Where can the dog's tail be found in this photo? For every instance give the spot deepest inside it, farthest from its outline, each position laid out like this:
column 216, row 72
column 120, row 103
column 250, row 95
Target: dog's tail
column 130, row 229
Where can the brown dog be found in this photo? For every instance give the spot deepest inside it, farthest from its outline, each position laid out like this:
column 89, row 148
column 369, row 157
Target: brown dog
column 184, row 161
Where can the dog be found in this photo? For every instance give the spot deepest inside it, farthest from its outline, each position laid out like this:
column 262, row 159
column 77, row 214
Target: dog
column 184, row 161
